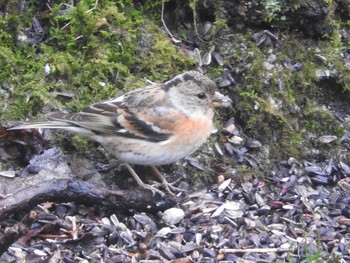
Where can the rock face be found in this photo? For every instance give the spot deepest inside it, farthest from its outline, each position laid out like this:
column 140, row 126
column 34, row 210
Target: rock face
column 314, row 18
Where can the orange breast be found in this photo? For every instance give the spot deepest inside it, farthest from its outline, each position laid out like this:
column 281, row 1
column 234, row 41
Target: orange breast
column 191, row 133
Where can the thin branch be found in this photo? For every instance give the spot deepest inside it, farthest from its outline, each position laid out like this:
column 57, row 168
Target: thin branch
column 166, row 28
column 70, row 190
column 96, row 3
column 252, row 250
column 195, row 22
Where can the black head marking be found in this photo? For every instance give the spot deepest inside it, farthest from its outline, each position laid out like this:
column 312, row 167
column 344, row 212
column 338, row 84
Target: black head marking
column 171, row 83
column 191, row 77
column 187, row 77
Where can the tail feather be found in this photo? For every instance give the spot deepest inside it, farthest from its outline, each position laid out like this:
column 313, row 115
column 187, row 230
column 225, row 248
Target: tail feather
column 81, row 123
column 42, row 124
column 54, row 125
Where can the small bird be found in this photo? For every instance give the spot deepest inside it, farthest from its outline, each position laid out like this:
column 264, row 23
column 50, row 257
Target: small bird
column 154, row 125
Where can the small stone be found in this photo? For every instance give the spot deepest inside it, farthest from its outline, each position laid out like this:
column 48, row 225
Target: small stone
column 285, row 246
column 235, row 140
column 173, row 216
column 39, row 252
column 33, row 169
column 142, row 247
column 251, row 143
column 327, row 139
column 9, row 174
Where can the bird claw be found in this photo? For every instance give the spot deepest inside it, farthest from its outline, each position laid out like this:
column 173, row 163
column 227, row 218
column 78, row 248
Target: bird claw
column 152, row 188
column 169, row 187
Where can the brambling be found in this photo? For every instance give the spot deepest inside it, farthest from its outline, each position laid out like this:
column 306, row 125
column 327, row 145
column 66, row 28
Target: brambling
column 154, row 125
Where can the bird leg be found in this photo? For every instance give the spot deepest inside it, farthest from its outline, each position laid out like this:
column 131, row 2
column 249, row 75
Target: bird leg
column 142, row 184
column 168, row 186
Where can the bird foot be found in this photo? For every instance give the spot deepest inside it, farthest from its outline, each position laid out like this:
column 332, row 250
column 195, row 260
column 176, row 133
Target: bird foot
column 169, row 187
column 154, row 189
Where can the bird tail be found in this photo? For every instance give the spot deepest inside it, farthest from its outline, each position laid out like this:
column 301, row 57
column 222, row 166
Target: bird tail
column 86, row 124
column 40, row 125
column 53, row 125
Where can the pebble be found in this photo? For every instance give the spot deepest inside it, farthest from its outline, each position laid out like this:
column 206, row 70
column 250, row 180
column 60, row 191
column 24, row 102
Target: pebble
column 173, row 216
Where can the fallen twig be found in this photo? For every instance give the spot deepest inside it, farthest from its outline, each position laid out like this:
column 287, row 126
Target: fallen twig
column 69, row 190
column 252, row 250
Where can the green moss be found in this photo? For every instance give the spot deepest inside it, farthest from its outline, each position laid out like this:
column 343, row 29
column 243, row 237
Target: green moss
column 84, row 145
column 289, row 144
column 90, row 51
column 321, row 122
column 272, row 9
column 278, row 105
column 165, row 58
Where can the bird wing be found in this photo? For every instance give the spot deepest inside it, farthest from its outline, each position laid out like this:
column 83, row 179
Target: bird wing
column 128, row 116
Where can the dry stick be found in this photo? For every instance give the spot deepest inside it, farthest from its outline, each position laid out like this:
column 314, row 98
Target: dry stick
column 68, row 190
column 252, row 250
column 195, row 22
column 165, row 27
column 96, row 3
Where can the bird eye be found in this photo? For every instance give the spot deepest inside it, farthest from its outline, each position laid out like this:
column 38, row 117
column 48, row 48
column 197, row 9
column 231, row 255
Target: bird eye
column 201, row 95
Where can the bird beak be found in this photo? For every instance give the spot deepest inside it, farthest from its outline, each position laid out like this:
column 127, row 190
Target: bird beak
column 221, row 100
